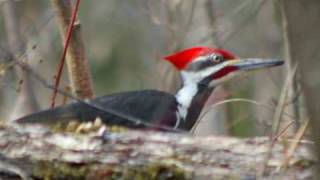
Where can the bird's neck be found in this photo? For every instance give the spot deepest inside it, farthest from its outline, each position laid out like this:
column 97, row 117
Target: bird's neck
column 191, row 98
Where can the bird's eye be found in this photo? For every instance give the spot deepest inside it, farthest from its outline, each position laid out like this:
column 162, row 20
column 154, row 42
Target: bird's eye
column 216, row 58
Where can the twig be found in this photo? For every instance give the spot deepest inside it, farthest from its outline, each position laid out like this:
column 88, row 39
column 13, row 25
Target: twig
column 282, row 101
column 62, row 59
column 180, row 42
column 293, row 146
column 276, row 121
column 229, row 101
column 213, row 23
column 26, row 96
column 290, row 63
column 276, row 137
column 233, row 31
column 229, row 34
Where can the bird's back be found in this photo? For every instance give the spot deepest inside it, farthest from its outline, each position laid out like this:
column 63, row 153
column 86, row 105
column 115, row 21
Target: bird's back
column 149, row 106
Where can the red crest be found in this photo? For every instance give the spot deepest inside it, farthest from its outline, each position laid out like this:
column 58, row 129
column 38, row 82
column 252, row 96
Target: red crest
column 182, row 58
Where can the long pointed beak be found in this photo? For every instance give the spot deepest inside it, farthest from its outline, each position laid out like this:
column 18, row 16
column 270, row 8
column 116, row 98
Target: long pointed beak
column 254, row 63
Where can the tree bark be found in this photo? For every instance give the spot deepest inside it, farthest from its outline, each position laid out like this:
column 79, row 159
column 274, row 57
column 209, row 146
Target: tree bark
column 132, row 154
column 302, row 30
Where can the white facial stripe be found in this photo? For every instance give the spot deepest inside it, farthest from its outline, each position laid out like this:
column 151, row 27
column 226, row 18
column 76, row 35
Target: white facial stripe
column 200, row 75
column 200, row 58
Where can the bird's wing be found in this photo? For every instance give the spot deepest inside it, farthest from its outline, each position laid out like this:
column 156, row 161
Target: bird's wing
column 148, row 106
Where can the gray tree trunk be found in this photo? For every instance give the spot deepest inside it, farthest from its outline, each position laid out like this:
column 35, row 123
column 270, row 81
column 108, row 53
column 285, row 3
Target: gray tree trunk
column 302, row 27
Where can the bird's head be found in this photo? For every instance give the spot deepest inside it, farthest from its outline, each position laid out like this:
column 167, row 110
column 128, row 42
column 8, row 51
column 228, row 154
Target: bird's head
column 211, row 66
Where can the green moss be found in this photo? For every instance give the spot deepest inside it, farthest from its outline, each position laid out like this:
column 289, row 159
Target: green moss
column 57, row 170
column 149, row 172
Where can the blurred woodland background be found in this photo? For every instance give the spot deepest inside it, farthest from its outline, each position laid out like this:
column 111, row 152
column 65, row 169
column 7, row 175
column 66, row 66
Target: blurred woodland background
column 126, row 40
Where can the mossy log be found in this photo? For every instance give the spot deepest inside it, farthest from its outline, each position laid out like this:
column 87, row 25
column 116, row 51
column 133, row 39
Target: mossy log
column 132, row 154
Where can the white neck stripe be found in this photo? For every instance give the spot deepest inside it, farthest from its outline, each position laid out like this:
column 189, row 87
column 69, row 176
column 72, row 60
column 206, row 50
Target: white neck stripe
column 186, row 94
column 184, row 98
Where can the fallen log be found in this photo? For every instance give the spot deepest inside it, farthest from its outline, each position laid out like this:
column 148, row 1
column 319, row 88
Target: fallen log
column 133, row 154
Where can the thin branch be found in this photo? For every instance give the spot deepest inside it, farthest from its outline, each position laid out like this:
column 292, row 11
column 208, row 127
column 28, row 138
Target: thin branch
column 227, row 35
column 63, row 56
column 208, row 109
column 282, row 101
column 213, row 23
column 25, row 102
column 186, row 29
column 290, row 64
column 284, row 130
column 277, row 120
column 293, row 146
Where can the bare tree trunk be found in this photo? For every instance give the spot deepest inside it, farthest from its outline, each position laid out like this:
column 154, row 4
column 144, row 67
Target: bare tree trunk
column 79, row 73
column 26, row 101
column 302, row 28
column 292, row 107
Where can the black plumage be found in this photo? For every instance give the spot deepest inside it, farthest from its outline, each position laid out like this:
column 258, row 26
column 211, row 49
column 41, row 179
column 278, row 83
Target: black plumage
column 149, row 106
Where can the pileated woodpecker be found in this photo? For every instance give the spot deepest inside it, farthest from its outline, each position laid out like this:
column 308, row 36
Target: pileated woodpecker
column 201, row 69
